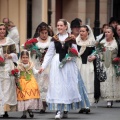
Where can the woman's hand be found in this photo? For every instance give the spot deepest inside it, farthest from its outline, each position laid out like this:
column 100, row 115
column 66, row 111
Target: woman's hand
column 41, row 70
column 91, row 58
column 7, row 56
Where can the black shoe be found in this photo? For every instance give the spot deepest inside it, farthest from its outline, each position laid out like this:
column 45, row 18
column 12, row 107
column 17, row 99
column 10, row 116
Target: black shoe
column 23, row 117
column 31, row 114
column 42, row 111
column 5, row 115
column 87, row 110
column 82, row 110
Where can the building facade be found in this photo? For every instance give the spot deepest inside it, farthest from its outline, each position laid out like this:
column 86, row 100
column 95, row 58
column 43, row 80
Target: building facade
column 27, row 14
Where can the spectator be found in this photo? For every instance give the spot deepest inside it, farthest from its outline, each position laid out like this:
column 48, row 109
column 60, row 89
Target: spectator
column 14, row 35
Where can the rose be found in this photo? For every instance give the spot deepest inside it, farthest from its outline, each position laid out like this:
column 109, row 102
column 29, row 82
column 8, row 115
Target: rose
column 15, row 72
column 116, row 60
column 34, row 40
column 29, row 43
column 1, row 59
column 73, row 52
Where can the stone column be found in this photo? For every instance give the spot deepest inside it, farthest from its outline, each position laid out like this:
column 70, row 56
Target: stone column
column 82, row 10
column 39, row 13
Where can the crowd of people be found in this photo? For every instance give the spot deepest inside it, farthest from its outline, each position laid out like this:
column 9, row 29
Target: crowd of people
column 68, row 69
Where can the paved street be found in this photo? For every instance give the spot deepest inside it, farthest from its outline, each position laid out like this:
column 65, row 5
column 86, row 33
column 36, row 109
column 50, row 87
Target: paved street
column 101, row 112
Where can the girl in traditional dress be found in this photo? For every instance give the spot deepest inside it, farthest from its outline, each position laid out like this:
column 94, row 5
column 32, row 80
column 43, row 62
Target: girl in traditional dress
column 43, row 42
column 63, row 94
column 28, row 96
column 86, row 62
column 8, row 53
column 110, row 89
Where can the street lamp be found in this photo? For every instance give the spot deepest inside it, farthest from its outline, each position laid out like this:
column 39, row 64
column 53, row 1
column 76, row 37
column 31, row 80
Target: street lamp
column 97, row 22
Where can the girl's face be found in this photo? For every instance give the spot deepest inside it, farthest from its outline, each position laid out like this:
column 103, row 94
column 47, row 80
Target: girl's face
column 2, row 31
column 109, row 34
column 25, row 59
column 44, row 34
column 83, row 33
column 61, row 27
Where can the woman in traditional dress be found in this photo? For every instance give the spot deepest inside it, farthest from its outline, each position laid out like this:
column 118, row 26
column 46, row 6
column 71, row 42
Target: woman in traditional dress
column 63, row 94
column 110, row 89
column 75, row 28
column 8, row 53
column 28, row 93
column 86, row 61
column 14, row 35
column 42, row 44
column 102, row 32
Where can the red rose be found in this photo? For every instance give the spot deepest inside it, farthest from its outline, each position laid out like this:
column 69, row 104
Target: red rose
column 1, row 59
column 12, row 72
column 27, row 44
column 116, row 59
column 73, row 51
column 34, row 40
column 16, row 70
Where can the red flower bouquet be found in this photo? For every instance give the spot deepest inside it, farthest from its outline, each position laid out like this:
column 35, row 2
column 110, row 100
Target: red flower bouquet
column 29, row 44
column 116, row 61
column 2, row 61
column 15, row 73
column 72, row 52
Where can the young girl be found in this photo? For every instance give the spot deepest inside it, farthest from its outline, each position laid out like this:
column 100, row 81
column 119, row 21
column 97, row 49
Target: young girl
column 28, row 96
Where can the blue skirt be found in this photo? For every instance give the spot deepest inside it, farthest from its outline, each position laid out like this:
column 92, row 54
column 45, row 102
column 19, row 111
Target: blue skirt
column 83, row 92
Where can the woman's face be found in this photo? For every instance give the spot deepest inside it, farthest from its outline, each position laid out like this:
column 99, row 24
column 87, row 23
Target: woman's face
column 83, row 33
column 118, row 30
column 25, row 59
column 61, row 27
column 2, row 31
column 109, row 34
column 104, row 28
column 43, row 34
column 76, row 31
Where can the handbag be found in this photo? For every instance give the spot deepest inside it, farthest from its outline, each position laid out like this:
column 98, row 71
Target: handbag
column 101, row 72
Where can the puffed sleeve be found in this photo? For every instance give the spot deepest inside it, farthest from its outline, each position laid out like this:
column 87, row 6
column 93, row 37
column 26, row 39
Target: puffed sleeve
column 35, row 71
column 74, row 46
column 49, row 55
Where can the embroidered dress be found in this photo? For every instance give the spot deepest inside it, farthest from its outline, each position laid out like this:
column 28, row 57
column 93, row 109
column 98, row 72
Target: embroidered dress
column 42, row 79
column 28, row 97
column 7, row 82
column 110, row 89
column 63, row 93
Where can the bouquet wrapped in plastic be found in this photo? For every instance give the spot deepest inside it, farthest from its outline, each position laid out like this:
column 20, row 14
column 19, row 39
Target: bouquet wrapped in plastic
column 15, row 73
column 72, row 52
column 30, row 45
